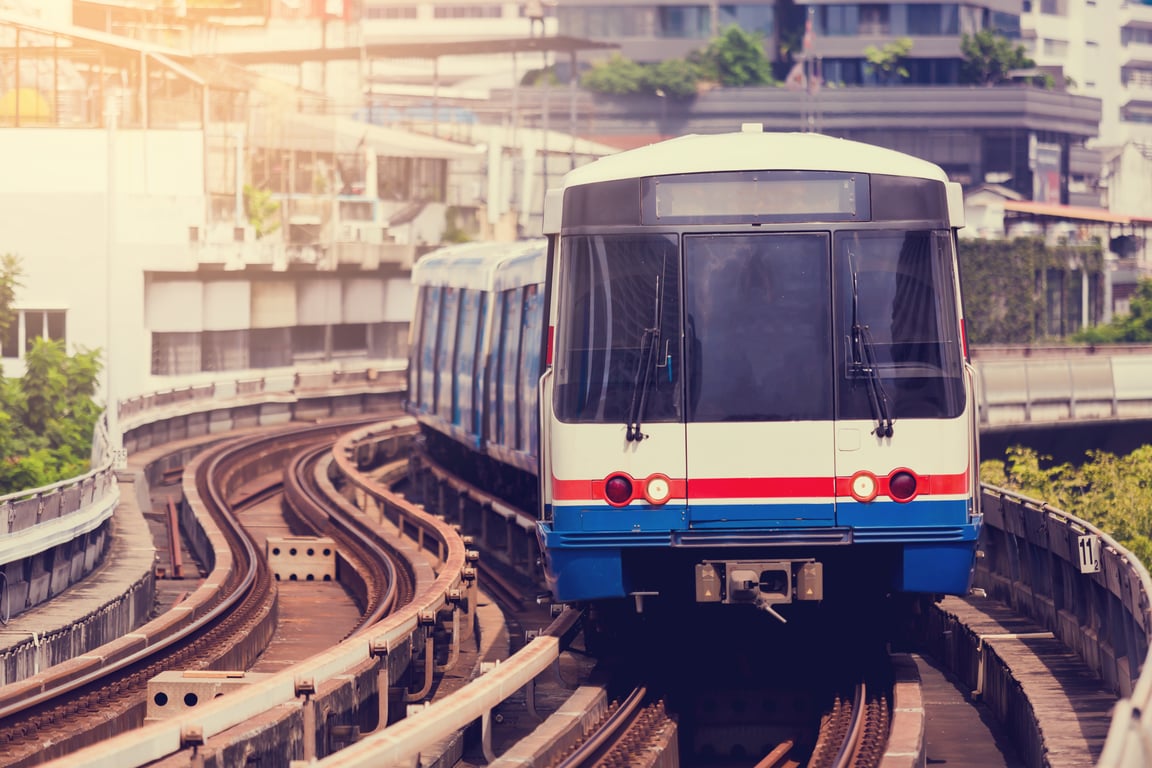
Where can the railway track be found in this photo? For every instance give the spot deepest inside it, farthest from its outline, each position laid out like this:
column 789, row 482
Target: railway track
column 223, row 625
column 357, row 474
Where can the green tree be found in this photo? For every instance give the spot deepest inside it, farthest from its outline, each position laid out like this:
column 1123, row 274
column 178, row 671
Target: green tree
column 888, row 62
column 735, row 58
column 47, row 417
column 989, row 58
column 1114, row 493
column 263, row 212
column 615, row 76
column 1136, row 326
column 673, row 78
column 10, row 274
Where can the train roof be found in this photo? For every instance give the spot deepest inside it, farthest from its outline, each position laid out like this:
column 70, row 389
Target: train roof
column 752, row 150
column 483, row 265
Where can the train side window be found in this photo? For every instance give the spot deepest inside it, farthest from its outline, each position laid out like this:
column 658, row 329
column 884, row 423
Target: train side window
column 495, row 369
column 446, row 353
column 414, row 352
column 429, row 329
column 478, row 363
column 465, row 360
column 530, row 351
column 510, row 365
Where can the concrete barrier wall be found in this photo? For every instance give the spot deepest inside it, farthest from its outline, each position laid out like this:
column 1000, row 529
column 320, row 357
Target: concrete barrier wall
column 1041, row 562
column 1064, row 384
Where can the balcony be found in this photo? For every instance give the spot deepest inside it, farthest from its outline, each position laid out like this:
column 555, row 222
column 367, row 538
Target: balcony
column 276, row 255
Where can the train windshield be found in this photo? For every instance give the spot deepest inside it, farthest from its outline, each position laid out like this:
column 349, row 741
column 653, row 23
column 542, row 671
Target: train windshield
column 899, row 286
column 620, row 330
column 760, row 328
column 758, row 320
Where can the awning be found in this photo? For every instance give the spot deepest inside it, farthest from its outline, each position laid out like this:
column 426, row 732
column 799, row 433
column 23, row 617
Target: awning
column 1077, row 212
column 329, row 133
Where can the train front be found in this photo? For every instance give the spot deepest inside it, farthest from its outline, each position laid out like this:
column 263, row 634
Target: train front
column 758, row 391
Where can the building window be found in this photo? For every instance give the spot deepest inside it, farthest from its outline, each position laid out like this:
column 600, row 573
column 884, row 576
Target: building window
column 388, row 341
column 350, row 340
column 32, row 324
column 603, row 21
column 175, row 354
column 309, row 343
column 684, row 21
column 753, row 18
column 398, row 12
column 466, row 12
column 1054, row 7
column 412, row 178
column 270, row 347
column 224, row 350
column 1055, row 47
column 873, row 20
column 933, row 20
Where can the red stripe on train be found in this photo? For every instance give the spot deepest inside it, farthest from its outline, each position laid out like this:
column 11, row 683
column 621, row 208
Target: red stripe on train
column 764, row 487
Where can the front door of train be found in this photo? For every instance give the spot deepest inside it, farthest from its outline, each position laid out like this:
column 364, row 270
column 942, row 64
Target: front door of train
column 759, row 380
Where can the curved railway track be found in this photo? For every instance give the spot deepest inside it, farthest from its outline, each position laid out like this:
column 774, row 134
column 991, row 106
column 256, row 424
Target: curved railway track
column 851, row 733
column 224, row 624
column 643, row 726
column 387, row 580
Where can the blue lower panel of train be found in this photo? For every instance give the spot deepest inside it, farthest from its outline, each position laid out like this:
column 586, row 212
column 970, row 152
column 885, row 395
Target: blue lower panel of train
column 582, row 566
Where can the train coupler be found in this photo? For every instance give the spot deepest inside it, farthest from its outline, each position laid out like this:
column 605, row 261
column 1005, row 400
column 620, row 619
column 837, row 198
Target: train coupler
column 761, row 583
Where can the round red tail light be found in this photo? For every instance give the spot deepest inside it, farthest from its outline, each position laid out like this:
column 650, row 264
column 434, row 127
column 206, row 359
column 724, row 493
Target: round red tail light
column 902, row 485
column 618, row 489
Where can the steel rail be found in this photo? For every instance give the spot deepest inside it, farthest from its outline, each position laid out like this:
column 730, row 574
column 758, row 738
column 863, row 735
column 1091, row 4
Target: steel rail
column 158, row 740
column 608, row 733
column 386, row 586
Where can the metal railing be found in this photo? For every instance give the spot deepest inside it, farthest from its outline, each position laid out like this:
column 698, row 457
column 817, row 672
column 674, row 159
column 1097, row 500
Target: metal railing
column 1046, row 385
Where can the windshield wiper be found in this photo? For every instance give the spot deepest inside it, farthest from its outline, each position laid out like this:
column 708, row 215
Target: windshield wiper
column 649, row 349
column 864, row 362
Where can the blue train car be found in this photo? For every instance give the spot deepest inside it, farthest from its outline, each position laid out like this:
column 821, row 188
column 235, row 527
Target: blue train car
column 475, row 360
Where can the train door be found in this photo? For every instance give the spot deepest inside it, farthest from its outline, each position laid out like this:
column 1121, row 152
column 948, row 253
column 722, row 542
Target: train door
column 759, row 393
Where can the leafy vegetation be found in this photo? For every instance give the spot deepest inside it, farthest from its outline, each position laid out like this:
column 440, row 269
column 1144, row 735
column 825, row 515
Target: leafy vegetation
column 47, row 417
column 1004, row 286
column 887, row 63
column 263, row 212
column 1136, row 326
column 989, row 59
column 735, row 58
column 1114, row 493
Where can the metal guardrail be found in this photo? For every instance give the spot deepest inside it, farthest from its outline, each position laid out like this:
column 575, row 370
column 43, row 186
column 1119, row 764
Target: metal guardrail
column 1033, row 561
column 1077, row 581
column 41, row 518
column 38, row 519
column 1047, row 385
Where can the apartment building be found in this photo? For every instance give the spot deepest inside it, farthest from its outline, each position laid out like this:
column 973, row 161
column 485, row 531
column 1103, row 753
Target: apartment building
column 1104, row 47
column 187, row 216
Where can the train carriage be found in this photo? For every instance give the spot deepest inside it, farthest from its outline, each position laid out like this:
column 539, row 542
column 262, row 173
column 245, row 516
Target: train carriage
column 474, row 360
column 757, row 388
